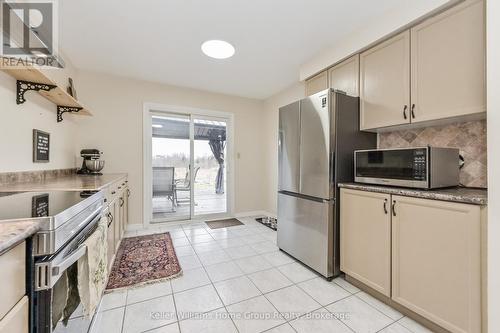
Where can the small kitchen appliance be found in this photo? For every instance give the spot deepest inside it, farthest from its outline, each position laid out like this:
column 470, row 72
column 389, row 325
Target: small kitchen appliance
column 421, row 167
column 92, row 163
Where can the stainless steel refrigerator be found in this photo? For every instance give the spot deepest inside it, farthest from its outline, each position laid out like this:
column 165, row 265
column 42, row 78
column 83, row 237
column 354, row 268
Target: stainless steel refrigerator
column 317, row 138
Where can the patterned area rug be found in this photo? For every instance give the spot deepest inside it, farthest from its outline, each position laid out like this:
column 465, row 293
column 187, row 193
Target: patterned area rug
column 223, row 223
column 142, row 260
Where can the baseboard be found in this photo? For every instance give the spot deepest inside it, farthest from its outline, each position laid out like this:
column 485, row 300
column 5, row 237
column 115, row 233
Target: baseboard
column 138, row 226
column 134, row 227
column 253, row 213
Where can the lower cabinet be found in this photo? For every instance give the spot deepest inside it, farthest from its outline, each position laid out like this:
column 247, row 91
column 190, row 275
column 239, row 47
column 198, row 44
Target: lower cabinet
column 365, row 238
column 17, row 320
column 14, row 303
column 436, row 261
column 117, row 214
column 12, row 279
column 110, row 236
column 424, row 254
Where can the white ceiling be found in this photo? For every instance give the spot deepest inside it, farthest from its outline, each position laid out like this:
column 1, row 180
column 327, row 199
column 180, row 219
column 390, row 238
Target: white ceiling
column 159, row 40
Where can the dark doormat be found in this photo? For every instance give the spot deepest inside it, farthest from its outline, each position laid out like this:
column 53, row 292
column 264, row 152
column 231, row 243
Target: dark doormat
column 223, row 223
column 269, row 222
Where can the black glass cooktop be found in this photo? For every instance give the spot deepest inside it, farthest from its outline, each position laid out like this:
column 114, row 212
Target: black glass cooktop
column 27, row 205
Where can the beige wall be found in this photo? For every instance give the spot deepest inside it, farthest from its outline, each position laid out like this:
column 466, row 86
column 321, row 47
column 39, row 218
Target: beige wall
column 493, row 45
column 271, row 106
column 18, row 121
column 116, row 129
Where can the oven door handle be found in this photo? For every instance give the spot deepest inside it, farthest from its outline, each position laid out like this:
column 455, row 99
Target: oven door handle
column 57, row 270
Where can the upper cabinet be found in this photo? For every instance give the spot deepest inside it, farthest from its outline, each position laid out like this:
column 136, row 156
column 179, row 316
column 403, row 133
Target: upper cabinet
column 345, row 76
column 317, row 83
column 385, row 83
column 443, row 77
column 448, row 77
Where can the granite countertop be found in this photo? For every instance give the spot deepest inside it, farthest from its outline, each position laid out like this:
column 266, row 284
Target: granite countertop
column 455, row 194
column 14, row 232
column 73, row 182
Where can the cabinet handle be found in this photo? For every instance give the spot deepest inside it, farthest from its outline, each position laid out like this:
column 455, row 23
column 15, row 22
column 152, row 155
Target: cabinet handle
column 110, row 216
column 121, row 202
column 119, row 187
column 385, row 206
column 413, row 111
column 404, row 112
column 113, row 192
column 394, row 208
column 128, row 193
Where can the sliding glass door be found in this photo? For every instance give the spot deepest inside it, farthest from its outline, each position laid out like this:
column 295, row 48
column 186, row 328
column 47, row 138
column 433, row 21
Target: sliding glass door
column 188, row 166
column 210, row 166
column 171, row 156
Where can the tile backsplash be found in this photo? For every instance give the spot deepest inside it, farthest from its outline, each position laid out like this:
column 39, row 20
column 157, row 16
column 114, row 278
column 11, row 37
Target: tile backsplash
column 469, row 137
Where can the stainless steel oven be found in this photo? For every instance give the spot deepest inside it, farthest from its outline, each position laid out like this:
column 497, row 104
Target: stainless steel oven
column 65, row 219
column 57, row 247
column 421, row 167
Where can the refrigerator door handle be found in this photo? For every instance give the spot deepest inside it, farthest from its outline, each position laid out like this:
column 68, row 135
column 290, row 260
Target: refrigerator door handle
column 306, row 197
column 332, row 167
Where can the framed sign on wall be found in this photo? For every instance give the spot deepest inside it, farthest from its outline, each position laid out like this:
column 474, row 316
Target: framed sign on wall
column 41, row 146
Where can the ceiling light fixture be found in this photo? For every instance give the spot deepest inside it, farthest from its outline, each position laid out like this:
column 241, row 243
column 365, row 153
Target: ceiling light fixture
column 217, row 49
column 157, row 126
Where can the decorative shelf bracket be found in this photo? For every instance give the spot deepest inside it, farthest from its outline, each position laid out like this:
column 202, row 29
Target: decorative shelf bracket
column 63, row 109
column 24, row 86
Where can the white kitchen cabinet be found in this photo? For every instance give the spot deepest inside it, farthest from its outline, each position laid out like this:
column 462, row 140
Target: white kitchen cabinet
column 114, row 209
column 436, row 261
column 110, row 237
column 448, row 61
column 125, row 209
column 317, row 83
column 385, row 84
column 116, row 212
column 12, row 279
column 345, row 76
column 365, row 238
column 17, row 320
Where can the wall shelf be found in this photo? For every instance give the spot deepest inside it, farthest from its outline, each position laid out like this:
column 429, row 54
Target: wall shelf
column 55, row 94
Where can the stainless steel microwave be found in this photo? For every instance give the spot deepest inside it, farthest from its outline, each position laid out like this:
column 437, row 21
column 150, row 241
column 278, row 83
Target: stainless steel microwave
column 422, row 167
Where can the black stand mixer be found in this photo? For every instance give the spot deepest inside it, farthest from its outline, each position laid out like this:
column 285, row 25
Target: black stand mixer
column 92, row 163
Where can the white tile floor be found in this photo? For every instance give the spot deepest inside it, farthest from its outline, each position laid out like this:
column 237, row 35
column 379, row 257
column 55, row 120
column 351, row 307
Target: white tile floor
column 236, row 280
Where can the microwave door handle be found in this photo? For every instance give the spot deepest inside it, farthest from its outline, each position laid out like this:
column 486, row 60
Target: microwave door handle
column 58, row 270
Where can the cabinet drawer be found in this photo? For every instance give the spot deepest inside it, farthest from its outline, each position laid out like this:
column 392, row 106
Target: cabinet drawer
column 12, row 278
column 17, row 319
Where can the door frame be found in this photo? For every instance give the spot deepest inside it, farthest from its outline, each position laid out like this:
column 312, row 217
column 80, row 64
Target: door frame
column 147, row 173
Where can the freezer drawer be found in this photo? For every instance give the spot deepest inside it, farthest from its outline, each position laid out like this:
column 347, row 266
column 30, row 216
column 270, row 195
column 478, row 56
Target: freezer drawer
column 305, row 231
